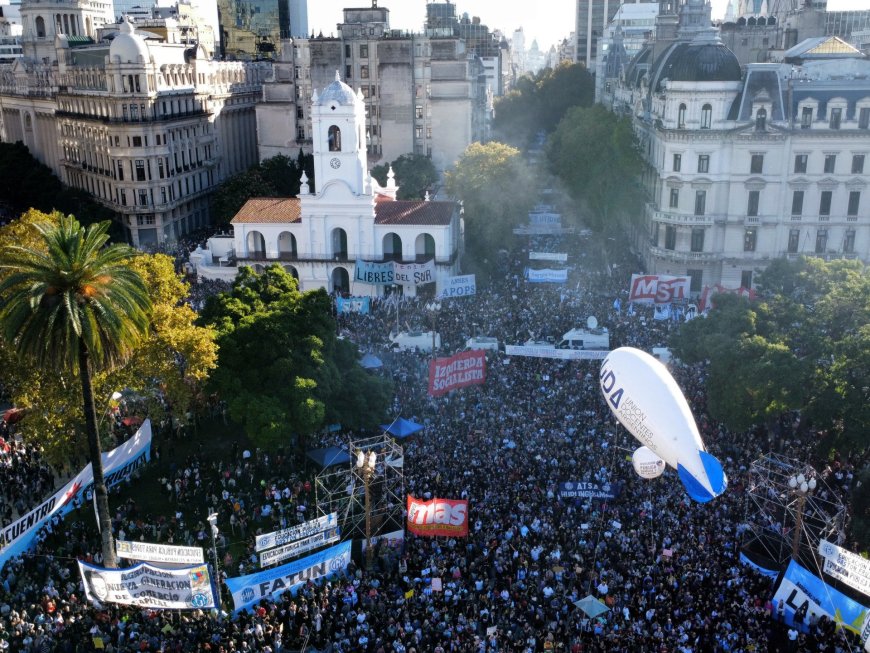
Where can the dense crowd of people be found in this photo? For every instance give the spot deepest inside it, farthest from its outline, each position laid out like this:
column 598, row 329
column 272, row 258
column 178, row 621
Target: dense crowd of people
column 666, row 568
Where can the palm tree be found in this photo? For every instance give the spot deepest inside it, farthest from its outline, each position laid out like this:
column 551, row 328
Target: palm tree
column 73, row 304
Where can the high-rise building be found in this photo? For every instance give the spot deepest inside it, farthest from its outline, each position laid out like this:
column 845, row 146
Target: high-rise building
column 253, row 29
column 592, row 17
column 298, row 19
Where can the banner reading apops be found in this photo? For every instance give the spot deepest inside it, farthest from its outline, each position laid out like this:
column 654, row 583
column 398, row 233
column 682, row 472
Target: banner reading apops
column 437, row 517
column 248, row 590
column 184, row 588
column 463, row 369
column 118, row 465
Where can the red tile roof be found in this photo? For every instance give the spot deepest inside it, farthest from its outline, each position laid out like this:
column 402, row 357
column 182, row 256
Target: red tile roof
column 414, row 212
column 272, row 210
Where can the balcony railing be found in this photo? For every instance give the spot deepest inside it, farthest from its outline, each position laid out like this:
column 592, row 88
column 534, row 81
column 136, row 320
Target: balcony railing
column 340, row 257
column 684, row 257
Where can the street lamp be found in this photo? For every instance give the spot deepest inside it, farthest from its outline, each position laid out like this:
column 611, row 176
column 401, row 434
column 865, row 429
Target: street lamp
column 212, row 520
column 396, row 294
column 433, row 307
column 802, row 488
column 366, row 466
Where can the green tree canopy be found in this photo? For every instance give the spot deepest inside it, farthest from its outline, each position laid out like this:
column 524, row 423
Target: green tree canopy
column 415, row 174
column 281, row 368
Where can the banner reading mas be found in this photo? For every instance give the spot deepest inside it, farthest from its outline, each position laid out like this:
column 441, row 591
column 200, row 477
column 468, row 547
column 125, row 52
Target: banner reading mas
column 438, row 517
column 465, row 368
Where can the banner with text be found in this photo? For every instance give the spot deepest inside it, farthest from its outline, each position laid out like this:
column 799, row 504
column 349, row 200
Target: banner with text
column 167, row 553
column 393, row 272
column 249, row 590
column 559, row 257
column 588, row 490
column 546, row 275
column 463, row 286
column 461, row 370
column 799, row 586
column 118, row 465
column 287, row 535
column 306, row 544
column 548, row 351
column 184, row 588
column 353, row 305
column 705, row 303
column 438, row 517
column 658, row 288
column 545, row 218
column 845, row 566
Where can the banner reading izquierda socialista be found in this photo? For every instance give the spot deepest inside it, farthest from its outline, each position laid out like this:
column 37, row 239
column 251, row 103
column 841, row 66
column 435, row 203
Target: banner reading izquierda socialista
column 461, row 370
column 249, row 590
column 147, row 586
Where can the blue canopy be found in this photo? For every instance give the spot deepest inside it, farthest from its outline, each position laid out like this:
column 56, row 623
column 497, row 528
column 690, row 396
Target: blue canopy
column 402, row 428
column 329, row 456
column 371, row 362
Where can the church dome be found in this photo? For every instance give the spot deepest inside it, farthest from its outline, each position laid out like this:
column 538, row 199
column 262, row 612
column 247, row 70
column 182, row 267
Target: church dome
column 698, row 61
column 128, row 46
column 338, row 92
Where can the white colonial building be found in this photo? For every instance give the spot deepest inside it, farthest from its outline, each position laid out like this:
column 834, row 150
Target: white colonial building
column 318, row 237
column 748, row 165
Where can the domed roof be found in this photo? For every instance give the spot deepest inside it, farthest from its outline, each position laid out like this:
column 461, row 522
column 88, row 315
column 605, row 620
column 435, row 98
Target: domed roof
column 339, row 92
column 128, row 46
column 705, row 61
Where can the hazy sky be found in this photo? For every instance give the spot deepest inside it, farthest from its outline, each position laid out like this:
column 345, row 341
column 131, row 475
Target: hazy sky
column 548, row 21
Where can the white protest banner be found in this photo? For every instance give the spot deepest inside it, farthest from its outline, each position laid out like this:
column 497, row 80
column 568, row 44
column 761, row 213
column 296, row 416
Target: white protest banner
column 463, row 286
column 118, row 465
column 547, row 275
column 542, row 351
column 168, row 553
column 184, row 588
column 414, row 274
column 279, row 538
column 248, row 590
column 274, row 556
column 559, row 257
column 845, row 566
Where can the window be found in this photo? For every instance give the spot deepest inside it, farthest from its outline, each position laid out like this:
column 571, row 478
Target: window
column 746, row 279
column 137, row 140
column 364, row 72
column 347, row 52
column 143, row 197
column 857, row 164
column 696, row 278
column 334, row 139
column 418, row 132
column 418, row 112
column 704, row 163
column 836, row 116
column 700, row 202
column 797, row 202
column 675, row 198
column 120, row 171
column 800, row 162
column 163, row 194
column 761, row 120
column 681, row 117
column 140, row 170
column 678, row 162
column 670, row 237
column 756, row 164
column 123, row 197
column 864, row 118
column 348, row 71
column 706, row 116
column 749, row 240
column 300, row 113
column 697, row 240
column 794, row 239
column 854, row 201
column 830, row 163
column 654, row 237
column 364, row 50
column 806, row 117
column 849, row 242
column 821, row 241
column 752, row 204
column 825, row 202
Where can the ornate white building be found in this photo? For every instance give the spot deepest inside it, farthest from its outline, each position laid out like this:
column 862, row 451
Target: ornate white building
column 318, row 237
column 745, row 166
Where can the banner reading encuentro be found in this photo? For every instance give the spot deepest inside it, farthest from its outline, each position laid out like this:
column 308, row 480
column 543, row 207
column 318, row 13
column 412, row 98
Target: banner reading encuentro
column 438, row 517
column 463, row 369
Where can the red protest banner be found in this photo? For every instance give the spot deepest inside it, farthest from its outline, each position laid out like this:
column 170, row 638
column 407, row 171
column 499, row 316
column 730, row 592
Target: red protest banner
column 465, row 368
column 438, row 517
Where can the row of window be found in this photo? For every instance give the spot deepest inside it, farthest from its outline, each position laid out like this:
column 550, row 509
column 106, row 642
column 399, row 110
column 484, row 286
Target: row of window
column 756, row 163
column 166, row 194
column 835, row 117
column 750, row 240
column 754, row 200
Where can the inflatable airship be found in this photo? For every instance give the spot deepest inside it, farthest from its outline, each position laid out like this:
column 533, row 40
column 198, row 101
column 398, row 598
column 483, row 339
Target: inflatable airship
column 647, row 401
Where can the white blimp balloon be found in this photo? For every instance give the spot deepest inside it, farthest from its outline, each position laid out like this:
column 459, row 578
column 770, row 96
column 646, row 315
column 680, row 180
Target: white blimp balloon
column 647, row 463
column 647, row 401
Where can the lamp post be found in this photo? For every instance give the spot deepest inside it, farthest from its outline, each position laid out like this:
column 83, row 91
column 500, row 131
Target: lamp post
column 802, row 488
column 433, row 307
column 212, row 520
column 366, row 466
column 396, row 292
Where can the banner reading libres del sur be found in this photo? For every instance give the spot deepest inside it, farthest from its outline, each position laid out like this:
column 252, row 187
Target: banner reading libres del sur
column 391, row 273
column 118, row 465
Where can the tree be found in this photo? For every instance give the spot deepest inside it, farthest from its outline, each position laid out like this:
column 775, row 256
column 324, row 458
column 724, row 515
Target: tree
column 77, row 305
column 415, row 174
column 497, row 192
column 281, row 369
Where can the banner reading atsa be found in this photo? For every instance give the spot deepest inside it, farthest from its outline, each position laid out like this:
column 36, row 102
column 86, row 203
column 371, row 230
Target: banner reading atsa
column 438, row 517
column 465, row 368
